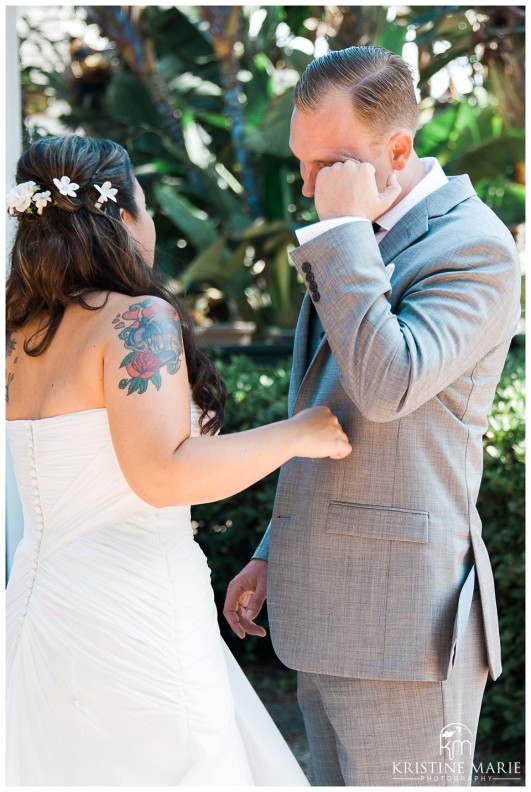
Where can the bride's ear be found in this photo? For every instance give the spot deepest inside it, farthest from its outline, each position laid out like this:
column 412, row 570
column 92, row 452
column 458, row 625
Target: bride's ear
column 125, row 217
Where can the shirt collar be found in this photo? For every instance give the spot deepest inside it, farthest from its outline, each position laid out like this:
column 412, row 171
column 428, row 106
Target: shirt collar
column 435, row 177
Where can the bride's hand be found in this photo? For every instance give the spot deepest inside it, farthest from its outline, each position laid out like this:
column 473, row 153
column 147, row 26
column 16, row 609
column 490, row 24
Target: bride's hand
column 320, row 434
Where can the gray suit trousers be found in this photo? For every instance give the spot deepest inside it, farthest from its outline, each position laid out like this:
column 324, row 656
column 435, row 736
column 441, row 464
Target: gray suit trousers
column 365, row 732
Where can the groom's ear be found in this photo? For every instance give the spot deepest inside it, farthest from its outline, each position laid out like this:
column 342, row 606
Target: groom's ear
column 400, row 148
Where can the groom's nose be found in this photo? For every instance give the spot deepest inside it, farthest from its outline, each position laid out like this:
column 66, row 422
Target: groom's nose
column 308, row 175
column 308, row 188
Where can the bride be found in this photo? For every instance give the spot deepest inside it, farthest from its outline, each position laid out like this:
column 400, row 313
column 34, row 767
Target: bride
column 116, row 671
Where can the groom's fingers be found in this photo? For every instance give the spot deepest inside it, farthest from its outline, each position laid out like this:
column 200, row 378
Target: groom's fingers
column 252, row 609
column 246, row 621
column 242, row 623
column 240, row 608
column 246, row 594
column 232, row 607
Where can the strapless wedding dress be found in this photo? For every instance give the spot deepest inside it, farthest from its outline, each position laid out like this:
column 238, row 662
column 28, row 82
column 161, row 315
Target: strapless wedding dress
column 116, row 670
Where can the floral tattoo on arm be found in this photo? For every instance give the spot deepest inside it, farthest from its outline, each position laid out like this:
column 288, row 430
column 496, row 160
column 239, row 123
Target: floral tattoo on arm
column 154, row 337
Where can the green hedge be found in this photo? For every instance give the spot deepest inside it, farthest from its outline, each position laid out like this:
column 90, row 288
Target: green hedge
column 502, row 507
column 230, row 530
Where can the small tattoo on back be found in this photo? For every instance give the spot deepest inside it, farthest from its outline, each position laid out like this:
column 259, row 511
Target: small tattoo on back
column 10, row 348
column 10, row 344
column 152, row 331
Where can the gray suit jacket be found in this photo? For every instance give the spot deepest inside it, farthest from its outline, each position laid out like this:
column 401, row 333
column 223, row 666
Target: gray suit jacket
column 368, row 555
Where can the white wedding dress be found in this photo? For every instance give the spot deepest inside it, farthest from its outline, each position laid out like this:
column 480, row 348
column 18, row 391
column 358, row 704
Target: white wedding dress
column 116, row 670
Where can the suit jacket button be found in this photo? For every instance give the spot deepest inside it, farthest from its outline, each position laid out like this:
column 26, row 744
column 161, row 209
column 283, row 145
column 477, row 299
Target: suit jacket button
column 316, row 296
column 312, row 286
column 306, row 267
column 310, row 277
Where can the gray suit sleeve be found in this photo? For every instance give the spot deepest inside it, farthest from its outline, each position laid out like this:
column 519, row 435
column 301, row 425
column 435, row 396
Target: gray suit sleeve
column 262, row 551
column 461, row 303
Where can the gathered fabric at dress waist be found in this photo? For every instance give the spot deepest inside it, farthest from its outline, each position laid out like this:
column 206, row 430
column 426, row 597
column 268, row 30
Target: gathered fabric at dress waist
column 141, row 527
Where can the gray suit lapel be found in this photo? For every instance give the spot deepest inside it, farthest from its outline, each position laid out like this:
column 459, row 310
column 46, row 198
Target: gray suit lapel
column 412, row 226
column 299, row 352
column 415, row 223
column 299, row 370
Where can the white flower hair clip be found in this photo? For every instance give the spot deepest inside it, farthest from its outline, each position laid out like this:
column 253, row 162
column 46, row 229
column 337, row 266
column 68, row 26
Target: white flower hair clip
column 19, row 198
column 41, row 200
column 106, row 191
column 29, row 196
column 66, row 186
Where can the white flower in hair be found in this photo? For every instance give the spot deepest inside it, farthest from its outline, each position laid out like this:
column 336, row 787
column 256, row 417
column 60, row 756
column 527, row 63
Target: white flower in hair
column 66, row 187
column 41, row 200
column 106, row 191
column 19, row 198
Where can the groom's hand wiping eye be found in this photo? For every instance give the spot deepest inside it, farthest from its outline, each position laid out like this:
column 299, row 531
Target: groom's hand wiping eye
column 349, row 188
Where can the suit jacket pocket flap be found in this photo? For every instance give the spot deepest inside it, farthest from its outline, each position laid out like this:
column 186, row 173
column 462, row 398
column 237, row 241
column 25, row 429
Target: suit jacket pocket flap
column 377, row 522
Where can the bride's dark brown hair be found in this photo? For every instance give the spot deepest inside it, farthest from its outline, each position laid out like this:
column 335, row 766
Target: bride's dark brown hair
column 74, row 247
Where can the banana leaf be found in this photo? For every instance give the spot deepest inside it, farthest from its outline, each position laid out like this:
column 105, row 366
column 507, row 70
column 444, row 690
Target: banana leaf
column 272, row 137
column 505, row 198
column 191, row 221
column 128, row 101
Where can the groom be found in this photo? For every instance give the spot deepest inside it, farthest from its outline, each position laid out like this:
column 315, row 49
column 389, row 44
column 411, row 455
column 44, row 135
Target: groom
column 379, row 585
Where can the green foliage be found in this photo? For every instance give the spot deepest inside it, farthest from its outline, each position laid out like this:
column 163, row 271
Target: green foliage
column 466, row 138
column 502, row 507
column 230, row 530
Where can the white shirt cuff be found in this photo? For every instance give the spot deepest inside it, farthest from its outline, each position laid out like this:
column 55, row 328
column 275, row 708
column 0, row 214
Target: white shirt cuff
column 308, row 233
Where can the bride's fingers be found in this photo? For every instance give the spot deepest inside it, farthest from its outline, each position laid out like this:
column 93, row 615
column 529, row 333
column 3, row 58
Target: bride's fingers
column 344, row 449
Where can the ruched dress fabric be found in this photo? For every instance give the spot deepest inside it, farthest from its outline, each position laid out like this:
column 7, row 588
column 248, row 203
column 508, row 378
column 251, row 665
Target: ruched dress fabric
column 116, row 670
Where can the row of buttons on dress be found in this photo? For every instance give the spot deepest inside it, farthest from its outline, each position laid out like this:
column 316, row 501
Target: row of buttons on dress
column 40, row 526
column 312, row 283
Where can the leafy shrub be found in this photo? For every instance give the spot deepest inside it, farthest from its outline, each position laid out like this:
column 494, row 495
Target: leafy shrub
column 502, row 507
column 230, row 530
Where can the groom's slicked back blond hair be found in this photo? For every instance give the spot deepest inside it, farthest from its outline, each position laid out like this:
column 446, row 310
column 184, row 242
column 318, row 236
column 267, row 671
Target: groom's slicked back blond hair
column 380, row 85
